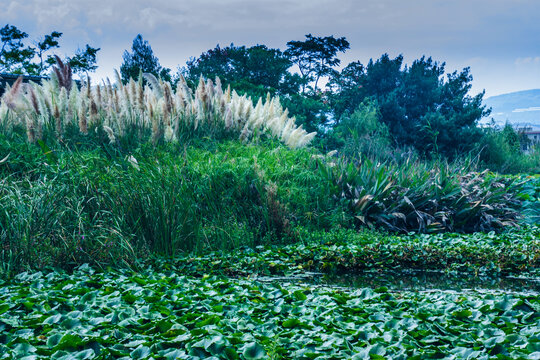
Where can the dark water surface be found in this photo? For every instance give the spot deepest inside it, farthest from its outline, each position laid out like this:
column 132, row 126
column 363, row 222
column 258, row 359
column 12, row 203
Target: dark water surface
column 417, row 280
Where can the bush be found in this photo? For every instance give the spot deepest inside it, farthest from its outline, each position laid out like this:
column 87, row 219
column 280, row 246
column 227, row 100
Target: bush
column 500, row 150
column 423, row 196
column 362, row 132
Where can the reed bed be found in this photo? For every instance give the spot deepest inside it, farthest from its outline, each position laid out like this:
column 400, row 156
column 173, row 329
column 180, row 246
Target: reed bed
column 143, row 110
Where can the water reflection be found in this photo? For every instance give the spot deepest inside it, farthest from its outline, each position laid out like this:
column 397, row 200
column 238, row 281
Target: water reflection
column 417, row 280
column 431, row 280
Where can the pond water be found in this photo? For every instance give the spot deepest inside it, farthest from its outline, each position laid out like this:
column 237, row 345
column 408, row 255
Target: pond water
column 417, row 280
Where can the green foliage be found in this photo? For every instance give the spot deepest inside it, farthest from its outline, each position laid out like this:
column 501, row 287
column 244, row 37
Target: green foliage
column 141, row 60
column 362, row 133
column 346, row 91
column 18, row 58
column 500, row 150
column 15, row 57
column 163, row 314
column 254, row 71
column 47, row 43
column 309, row 110
column 316, row 57
column 346, row 251
column 418, row 105
column 94, row 202
column 421, row 196
column 84, row 61
column 87, row 205
column 530, row 196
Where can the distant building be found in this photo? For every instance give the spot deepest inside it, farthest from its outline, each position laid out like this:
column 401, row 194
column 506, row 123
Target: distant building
column 531, row 134
column 9, row 79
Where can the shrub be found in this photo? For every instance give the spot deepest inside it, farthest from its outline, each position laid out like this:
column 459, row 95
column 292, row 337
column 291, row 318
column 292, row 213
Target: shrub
column 423, row 197
column 500, row 150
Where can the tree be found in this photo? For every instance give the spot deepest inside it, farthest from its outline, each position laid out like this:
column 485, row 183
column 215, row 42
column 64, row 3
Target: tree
column 420, row 107
column 255, row 70
column 346, row 90
column 47, row 43
column 15, row 57
column 316, row 57
column 84, row 62
column 141, row 59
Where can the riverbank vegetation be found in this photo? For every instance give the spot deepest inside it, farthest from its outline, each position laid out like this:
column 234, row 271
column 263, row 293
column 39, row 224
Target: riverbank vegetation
column 137, row 219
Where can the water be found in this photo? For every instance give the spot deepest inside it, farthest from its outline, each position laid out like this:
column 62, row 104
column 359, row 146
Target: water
column 417, row 280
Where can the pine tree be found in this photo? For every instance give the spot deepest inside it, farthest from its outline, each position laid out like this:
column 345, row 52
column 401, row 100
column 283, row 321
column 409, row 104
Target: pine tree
column 142, row 59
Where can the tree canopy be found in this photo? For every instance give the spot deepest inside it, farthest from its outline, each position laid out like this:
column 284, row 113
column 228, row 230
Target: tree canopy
column 141, row 59
column 255, row 70
column 15, row 57
column 421, row 106
column 316, row 57
column 18, row 58
column 84, row 61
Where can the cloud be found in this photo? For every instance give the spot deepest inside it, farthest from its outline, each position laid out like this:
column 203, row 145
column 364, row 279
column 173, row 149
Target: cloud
column 503, row 32
column 533, row 108
column 527, row 60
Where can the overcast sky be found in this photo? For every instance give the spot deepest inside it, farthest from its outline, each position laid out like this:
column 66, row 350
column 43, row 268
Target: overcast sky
column 498, row 39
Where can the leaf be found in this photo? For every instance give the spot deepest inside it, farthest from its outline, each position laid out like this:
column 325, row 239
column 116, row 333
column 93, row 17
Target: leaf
column 4, row 307
column 299, row 295
column 50, row 154
column 140, row 353
column 291, row 323
column 462, row 314
column 53, row 340
column 254, row 351
column 85, row 354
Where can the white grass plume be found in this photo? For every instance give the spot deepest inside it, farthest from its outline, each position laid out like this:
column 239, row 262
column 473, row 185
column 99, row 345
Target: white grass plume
column 155, row 109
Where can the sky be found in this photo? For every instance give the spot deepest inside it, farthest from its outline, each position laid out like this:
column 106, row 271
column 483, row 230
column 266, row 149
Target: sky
column 498, row 39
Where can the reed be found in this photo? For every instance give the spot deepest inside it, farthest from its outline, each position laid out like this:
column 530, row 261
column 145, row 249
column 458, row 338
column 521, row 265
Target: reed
column 154, row 110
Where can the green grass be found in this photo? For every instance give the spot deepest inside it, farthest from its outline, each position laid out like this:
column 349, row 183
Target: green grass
column 86, row 201
column 64, row 207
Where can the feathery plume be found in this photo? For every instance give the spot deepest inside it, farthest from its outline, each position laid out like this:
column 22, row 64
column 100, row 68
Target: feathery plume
column 93, row 112
column 110, row 134
column 63, row 74
column 34, row 100
column 10, row 97
column 154, row 83
column 83, row 125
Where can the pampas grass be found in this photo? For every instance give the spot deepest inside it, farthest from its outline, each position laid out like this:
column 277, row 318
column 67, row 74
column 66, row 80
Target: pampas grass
column 154, row 109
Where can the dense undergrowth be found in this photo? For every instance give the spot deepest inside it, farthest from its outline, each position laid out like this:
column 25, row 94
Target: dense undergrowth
column 85, row 200
column 514, row 252
column 111, row 174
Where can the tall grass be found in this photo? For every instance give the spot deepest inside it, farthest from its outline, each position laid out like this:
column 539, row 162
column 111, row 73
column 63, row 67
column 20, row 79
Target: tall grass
column 139, row 112
column 104, row 208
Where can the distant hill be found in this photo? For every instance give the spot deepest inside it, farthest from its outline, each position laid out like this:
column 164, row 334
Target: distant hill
column 521, row 107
